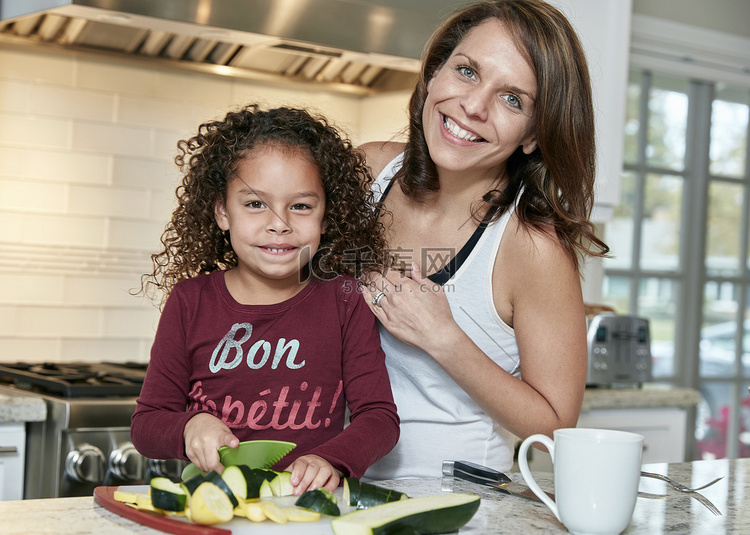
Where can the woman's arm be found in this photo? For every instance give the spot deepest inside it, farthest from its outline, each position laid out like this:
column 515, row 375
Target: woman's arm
column 537, row 292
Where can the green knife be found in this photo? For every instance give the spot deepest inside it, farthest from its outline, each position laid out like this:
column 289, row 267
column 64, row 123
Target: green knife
column 252, row 453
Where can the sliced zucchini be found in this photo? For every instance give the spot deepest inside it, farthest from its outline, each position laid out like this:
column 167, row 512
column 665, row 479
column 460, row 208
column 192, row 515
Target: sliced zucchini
column 125, row 497
column 298, row 514
column 364, row 495
column 281, row 485
column 254, row 511
column 319, row 500
column 214, row 477
column 167, row 495
column 351, row 490
column 210, row 504
column 273, row 512
column 189, row 485
column 431, row 514
column 265, row 489
column 263, row 474
column 242, row 481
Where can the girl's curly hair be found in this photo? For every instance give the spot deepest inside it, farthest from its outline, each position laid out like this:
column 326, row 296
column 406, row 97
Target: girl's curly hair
column 194, row 244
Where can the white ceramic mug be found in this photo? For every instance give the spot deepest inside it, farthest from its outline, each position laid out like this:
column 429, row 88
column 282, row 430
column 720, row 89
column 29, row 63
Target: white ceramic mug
column 596, row 474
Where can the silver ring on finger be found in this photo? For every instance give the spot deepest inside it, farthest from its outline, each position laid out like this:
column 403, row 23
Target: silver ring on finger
column 377, row 299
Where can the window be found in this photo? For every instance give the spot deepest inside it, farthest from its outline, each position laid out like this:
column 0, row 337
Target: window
column 680, row 249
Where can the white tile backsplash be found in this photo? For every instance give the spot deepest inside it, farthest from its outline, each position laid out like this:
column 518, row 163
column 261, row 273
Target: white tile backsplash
column 30, row 289
column 41, row 229
column 34, row 131
column 17, row 64
column 135, row 235
column 73, row 103
column 59, row 322
column 103, row 350
column 145, row 172
column 108, row 201
column 87, row 183
column 55, row 165
column 113, row 139
column 106, row 291
column 33, row 196
column 14, row 96
column 30, row 349
column 130, row 322
column 117, row 78
column 155, row 113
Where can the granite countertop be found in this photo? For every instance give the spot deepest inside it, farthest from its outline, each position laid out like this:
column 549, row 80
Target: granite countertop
column 21, row 408
column 659, row 509
column 650, row 396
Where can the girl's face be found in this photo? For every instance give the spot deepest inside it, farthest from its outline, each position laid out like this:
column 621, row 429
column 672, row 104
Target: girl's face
column 274, row 213
column 480, row 104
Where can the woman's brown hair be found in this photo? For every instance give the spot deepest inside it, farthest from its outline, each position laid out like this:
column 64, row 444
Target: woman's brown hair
column 554, row 185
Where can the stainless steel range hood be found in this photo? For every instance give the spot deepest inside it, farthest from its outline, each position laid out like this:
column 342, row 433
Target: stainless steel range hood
column 350, row 45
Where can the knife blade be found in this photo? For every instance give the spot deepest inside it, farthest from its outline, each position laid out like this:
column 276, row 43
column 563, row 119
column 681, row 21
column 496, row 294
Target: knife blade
column 483, row 475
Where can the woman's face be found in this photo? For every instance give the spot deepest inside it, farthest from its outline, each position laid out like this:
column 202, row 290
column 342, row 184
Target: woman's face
column 480, row 105
column 274, row 213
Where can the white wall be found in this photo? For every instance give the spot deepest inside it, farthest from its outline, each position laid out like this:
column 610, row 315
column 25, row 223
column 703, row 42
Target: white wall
column 87, row 184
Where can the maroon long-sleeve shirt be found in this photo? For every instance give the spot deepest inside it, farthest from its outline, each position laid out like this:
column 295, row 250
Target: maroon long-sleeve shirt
column 286, row 371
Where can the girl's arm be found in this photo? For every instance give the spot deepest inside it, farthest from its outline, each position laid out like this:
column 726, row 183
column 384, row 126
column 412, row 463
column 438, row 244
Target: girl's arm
column 160, row 418
column 374, row 424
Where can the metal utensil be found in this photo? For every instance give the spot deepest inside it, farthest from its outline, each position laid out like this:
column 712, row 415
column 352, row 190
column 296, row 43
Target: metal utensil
column 692, row 492
column 706, row 502
column 679, row 486
column 483, row 475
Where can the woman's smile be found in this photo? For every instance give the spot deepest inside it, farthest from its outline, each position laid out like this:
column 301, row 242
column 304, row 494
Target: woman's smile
column 454, row 129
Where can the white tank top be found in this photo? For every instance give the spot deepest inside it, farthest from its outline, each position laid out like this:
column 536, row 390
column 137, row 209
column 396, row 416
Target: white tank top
column 439, row 421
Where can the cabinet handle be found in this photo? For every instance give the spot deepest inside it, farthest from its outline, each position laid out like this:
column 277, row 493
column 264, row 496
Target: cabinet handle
column 7, row 451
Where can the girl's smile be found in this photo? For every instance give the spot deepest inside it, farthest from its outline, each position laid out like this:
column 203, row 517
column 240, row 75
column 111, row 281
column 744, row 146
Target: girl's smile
column 274, row 212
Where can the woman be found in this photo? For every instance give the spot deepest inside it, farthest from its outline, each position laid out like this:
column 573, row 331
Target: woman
column 491, row 199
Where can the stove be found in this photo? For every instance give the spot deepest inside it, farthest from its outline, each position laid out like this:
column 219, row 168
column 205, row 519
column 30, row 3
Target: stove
column 85, row 440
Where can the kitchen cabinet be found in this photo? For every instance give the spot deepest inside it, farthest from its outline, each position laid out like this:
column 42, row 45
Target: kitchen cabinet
column 12, row 459
column 663, row 430
column 660, row 415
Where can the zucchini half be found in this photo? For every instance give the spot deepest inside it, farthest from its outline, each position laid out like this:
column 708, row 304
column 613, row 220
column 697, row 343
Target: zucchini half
column 319, row 500
column 364, row 495
column 214, row 477
column 241, row 481
column 167, row 495
column 432, row 514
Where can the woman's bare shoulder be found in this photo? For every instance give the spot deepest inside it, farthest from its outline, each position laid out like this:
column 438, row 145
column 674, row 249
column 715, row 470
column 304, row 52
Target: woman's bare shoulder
column 379, row 153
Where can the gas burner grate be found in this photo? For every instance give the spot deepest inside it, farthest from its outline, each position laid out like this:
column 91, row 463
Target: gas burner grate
column 76, row 379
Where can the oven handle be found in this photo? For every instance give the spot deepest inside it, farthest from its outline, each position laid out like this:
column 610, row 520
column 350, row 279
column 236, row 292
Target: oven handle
column 7, row 451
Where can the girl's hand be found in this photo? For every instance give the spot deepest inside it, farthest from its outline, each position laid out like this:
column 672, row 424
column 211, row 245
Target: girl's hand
column 204, row 434
column 414, row 310
column 311, row 472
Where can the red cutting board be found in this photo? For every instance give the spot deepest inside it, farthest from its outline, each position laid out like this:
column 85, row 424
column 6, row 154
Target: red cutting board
column 104, row 496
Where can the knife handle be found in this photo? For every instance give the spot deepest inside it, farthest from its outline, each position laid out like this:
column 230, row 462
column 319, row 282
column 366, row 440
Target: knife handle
column 451, row 467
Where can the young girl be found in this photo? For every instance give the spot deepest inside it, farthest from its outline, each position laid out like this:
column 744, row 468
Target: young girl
column 264, row 333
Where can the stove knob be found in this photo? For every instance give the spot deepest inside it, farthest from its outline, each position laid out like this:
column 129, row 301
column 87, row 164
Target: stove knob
column 87, row 463
column 170, row 468
column 126, row 462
